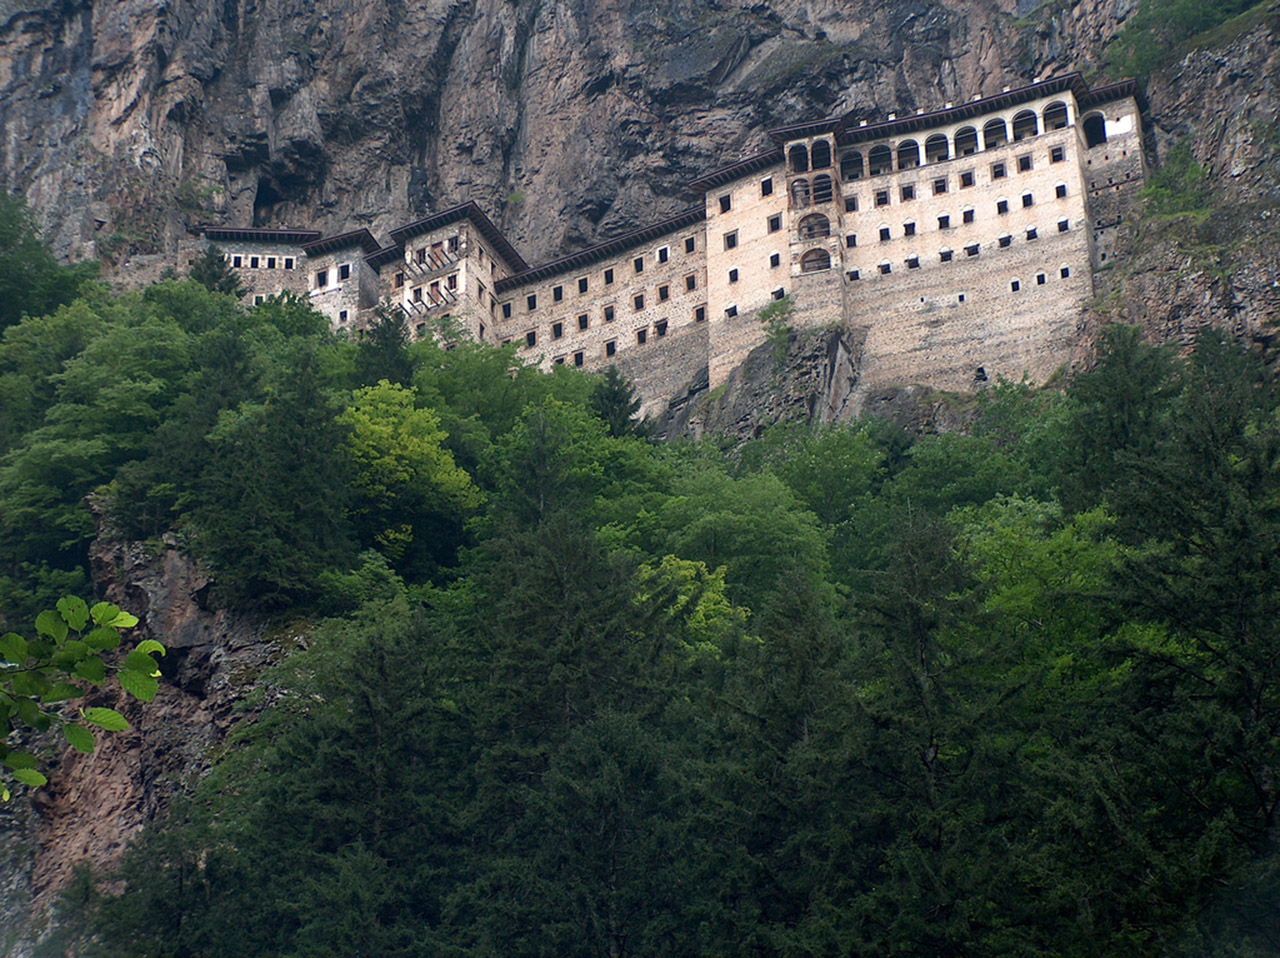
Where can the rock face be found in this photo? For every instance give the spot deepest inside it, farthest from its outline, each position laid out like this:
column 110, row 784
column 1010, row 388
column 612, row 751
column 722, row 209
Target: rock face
column 128, row 123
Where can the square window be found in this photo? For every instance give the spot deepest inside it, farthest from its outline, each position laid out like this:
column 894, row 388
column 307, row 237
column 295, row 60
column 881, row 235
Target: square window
column 966, row 179
column 854, row 274
column 342, row 316
column 583, row 321
column 997, row 171
column 885, row 269
column 610, row 347
column 700, row 314
column 691, row 282
column 766, row 186
column 1060, row 191
column 660, row 327
column 421, row 255
column 1040, row 279
column 642, row 336
column 453, row 244
column 578, row 359
column 236, row 261
column 322, row 278
column 945, row 256
column 971, row 249
column 557, row 293
column 851, row 240
column 731, row 311
column 452, row 282
column 689, row 244
column 733, row 275
column 532, row 301
column 774, row 260
column 1063, row 226
column 960, row 298
column 1005, row 241
column 967, row 216
column 731, row 240
column 725, row 204
column 253, row 262
column 344, row 271
column 775, row 223
column 608, row 277
column 582, row 285
column 939, row 185
column 638, row 264
column 399, row 280
column 908, row 229
column 882, row 197
column 1027, row 200
column 664, row 293
column 1015, row 286
column 663, row 254
column 557, row 330
column 608, row 314
column 1065, row 272
column 851, row 204
column 638, row 302
column 506, row 309
column 908, row 192
column 559, row 360
column 1057, row 154
column 778, row 293
column 259, row 300
column 944, row 222
column 884, row 234
column 531, row 338
column 1002, row 206
column 1031, row 233
column 271, row 262
column 913, row 262
column 288, row 262
column 1024, row 163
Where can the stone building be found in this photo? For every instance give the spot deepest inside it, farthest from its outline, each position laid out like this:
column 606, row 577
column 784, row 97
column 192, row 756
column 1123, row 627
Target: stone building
column 960, row 243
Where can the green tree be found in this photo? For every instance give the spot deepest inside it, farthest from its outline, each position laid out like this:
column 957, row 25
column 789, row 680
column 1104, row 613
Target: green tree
column 32, row 283
column 382, row 350
column 615, row 401
column 212, row 271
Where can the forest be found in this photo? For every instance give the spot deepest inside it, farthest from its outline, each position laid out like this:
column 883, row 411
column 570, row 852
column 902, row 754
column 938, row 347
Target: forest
column 568, row 691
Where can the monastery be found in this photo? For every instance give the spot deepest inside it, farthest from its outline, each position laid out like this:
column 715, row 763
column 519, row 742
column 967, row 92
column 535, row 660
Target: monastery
column 960, row 244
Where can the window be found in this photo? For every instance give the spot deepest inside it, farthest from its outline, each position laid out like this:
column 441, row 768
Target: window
column 660, row 327
column 971, row 249
column 851, row 240
column 532, row 301
column 399, row 280
column 778, row 293
column 259, row 300
column 1040, row 279
column 557, row 330
column 945, row 255
column 885, row 269
column 611, row 347
column 997, row 171
column 908, row 192
column 452, row 282
column 557, row 292
column 638, row 264
column 1002, row 206
column 288, row 262
column 884, row 234
column 506, row 310
column 1060, row 191
column 966, row 180
column 1057, row 154
column 691, row 282
column 1024, row 163
column 638, row 301
column 322, row 278
column 608, row 314
column 608, row 277
column 854, row 275
column 913, row 262
column 664, row 293
column 733, row 275
column 344, row 271
column 453, row 244
column 1005, row 241
column 882, row 197
column 939, row 185
column 775, row 223
column 531, row 338
column 421, row 255
column 1031, row 233
column 908, row 229
column 851, row 204
column 1065, row 272
column 690, row 243
column 642, row 336
column 967, row 216
column 1027, row 200
column 731, row 311
column 582, row 285
column 944, row 222
column 236, row 261
column 559, row 360
column 726, row 203
column 271, row 262
column 774, row 260
column 664, row 254
column 1063, row 226
column 766, row 186
column 578, row 359
column 700, row 314
column 1015, row 285
column 584, row 321
column 731, row 240
column 253, row 262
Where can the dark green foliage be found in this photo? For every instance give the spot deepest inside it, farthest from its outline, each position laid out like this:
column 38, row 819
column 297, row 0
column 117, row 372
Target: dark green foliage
column 1155, row 33
column 32, row 283
column 615, row 401
column 1180, row 186
column 383, row 350
column 212, row 272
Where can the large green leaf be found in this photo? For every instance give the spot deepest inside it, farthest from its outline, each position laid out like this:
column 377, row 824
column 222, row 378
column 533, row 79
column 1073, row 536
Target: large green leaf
column 140, row 685
column 75, row 611
column 108, row 719
column 78, row 737
column 102, row 638
column 29, row 776
column 17, row 760
column 13, row 648
column 63, row 691
column 92, row 670
column 104, row 612
column 137, row 661
column 150, row 645
column 50, row 623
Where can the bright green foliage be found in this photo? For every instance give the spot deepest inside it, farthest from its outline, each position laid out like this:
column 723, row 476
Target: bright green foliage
column 31, row 281
column 1180, row 186
column 74, row 646
column 1154, row 34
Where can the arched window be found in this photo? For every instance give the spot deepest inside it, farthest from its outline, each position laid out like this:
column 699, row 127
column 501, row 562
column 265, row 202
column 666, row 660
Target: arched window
column 936, row 148
column 821, row 154
column 822, row 189
column 1055, row 115
column 815, row 261
column 815, row 225
column 880, row 160
column 799, row 158
column 995, row 133
column 1095, row 130
column 799, row 194
column 908, row 155
column 966, row 141
column 1025, row 125
column 851, row 165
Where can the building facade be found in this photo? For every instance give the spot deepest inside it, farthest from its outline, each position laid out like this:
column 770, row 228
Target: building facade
column 960, row 243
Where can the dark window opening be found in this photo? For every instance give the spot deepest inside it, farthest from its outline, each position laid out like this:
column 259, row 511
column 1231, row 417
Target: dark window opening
column 851, row 204
column 1027, row 200
column 820, row 155
column 1015, row 286
column 660, row 327
column 945, row 255
column 638, row 302
column 1057, row 155
column 908, row 193
column 608, row 314
column 1040, row 279
column 689, row 244
column 939, row 186
column 344, row 271
column 642, row 336
column 557, row 330
column 1060, row 191
column 972, row 249
column 966, row 179
column 884, row 234
column 731, row 311
column 638, row 264
column 1024, row 164
column 1005, row 241
column 815, row 260
column 531, row 302
column 691, row 282
column 967, row 216
column 506, row 309
column 908, row 229
column 851, row 240
column 1095, row 130
column 531, row 338
column 1031, row 233
column 774, row 260
column 913, row 262
column 608, row 276
column 584, row 321
column 885, row 269
column 582, row 285
column 1063, row 226
column 854, row 274
column 766, row 187
column 726, row 203
column 778, row 293
column 700, row 314
column 731, row 240
column 1002, row 206
column 610, row 347
column 882, row 197
column 733, row 276
column 578, row 359
column 1065, row 272
column 664, row 293
column 662, row 254
column 997, row 171
column 557, row 292
column 775, row 223
column 944, row 222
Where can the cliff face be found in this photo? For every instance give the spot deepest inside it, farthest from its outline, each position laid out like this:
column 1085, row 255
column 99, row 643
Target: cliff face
column 129, row 123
